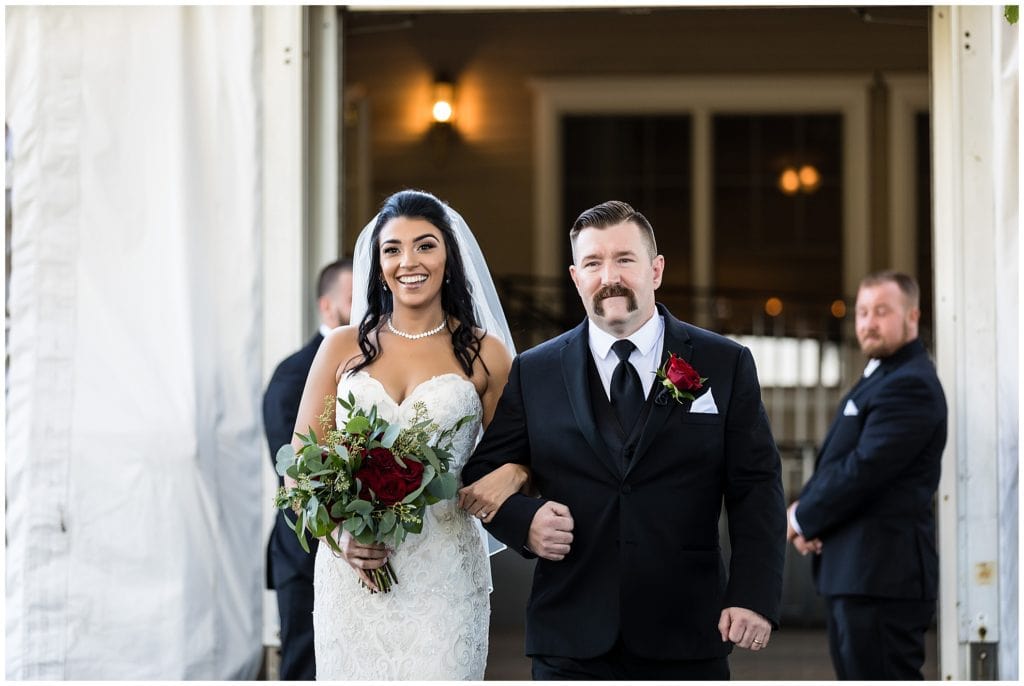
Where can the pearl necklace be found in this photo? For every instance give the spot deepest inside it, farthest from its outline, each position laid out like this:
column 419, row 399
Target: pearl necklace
column 416, row 336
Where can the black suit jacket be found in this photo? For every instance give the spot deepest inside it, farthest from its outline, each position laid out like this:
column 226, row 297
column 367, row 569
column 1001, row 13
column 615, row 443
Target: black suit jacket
column 645, row 561
column 285, row 557
column 870, row 497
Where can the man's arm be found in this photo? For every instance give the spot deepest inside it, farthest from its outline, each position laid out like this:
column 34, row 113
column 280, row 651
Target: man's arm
column 507, row 440
column 753, row 499
column 280, row 407
column 900, row 423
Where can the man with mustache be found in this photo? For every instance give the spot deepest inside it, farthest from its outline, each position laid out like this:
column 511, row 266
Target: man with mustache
column 632, row 473
column 867, row 513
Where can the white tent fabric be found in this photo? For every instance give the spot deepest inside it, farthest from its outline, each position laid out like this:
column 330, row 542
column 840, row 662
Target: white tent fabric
column 134, row 444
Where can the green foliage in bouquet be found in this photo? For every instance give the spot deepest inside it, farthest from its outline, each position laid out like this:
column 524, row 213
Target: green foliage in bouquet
column 373, row 478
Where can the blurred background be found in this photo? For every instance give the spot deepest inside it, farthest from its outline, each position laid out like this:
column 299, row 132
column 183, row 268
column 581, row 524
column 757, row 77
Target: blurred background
column 759, row 143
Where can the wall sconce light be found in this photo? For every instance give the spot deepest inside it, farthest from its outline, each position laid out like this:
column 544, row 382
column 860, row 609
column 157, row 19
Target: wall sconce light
column 789, row 181
column 443, row 109
column 442, row 115
column 806, row 179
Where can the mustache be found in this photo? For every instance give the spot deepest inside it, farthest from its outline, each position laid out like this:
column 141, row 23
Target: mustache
column 614, row 290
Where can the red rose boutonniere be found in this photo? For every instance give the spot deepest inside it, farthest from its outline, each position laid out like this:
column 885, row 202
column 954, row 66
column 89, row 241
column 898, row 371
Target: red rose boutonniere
column 680, row 378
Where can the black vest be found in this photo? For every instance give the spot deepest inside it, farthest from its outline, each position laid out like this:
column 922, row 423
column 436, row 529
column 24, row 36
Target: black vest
column 621, row 441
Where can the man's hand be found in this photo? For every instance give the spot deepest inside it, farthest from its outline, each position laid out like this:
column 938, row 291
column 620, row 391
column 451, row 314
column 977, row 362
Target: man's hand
column 745, row 628
column 802, row 545
column 791, row 533
column 551, row 531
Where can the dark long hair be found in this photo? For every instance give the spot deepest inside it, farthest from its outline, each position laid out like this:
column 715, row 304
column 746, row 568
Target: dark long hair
column 456, row 296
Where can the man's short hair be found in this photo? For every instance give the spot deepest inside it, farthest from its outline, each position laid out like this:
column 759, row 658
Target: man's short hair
column 329, row 275
column 610, row 213
column 905, row 282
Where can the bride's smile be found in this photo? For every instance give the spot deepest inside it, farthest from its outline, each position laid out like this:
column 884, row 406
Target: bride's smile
column 412, row 260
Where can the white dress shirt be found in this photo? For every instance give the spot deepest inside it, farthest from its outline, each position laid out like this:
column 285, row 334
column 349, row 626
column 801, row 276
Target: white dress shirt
column 649, row 340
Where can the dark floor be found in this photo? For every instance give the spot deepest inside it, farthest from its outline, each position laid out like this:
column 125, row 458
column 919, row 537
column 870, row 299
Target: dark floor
column 794, row 654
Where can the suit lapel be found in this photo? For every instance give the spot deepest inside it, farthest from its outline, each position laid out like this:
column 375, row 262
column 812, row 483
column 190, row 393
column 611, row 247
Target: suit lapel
column 677, row 341
column 858, row 390
column 574, row 373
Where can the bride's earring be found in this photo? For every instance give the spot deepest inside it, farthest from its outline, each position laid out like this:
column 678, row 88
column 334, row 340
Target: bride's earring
column 384, row 283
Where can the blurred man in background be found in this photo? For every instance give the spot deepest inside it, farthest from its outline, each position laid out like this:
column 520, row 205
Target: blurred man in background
column 866, row 512
column 289, row 567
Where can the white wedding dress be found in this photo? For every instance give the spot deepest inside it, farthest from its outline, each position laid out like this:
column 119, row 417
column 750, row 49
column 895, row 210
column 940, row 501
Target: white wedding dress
column 433, row 623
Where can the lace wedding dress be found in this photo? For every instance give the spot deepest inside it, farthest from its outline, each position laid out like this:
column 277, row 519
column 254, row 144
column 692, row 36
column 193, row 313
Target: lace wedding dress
column 433, row 623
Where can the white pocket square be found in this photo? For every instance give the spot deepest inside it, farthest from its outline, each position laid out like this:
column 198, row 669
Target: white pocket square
column 704, row 404
column 851, row 409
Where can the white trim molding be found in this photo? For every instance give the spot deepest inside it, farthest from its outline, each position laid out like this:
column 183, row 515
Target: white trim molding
column 908, row 95
column 701, row 97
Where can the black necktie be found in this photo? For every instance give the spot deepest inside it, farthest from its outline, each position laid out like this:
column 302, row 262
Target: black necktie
column 627, row 391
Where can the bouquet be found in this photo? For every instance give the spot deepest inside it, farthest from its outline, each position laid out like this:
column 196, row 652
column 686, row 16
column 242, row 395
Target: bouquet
column 370, row 477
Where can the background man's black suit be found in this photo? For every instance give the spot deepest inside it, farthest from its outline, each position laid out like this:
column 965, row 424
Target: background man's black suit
column 870, row 502
column 289, row 567
column 645, row 569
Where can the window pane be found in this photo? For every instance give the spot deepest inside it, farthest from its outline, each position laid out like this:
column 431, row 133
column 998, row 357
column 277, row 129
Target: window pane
column 642, row 160
column 768, row 239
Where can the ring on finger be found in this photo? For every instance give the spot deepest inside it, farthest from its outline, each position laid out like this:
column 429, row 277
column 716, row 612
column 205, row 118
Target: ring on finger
column 482, row 515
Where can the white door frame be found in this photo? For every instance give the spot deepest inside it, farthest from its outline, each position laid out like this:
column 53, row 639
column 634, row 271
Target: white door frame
column 908, row 95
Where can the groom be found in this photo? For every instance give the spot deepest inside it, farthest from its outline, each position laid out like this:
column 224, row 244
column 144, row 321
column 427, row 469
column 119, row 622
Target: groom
column 630, row 583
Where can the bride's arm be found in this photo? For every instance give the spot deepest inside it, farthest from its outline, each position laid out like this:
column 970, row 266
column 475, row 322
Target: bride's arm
column 322, row 382
column 489, row 493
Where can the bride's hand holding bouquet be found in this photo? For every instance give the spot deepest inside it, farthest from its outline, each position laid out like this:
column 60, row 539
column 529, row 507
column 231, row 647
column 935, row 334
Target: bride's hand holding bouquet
column 372, row 479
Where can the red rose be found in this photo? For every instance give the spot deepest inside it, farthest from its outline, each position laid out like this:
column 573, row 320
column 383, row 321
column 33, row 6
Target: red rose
column 682, row 375
column 390, row 482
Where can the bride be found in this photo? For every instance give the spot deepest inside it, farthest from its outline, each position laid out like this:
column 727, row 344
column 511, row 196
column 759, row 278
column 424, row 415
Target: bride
column 430, row 330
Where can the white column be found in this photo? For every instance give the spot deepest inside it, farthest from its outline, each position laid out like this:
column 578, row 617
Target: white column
column 324, row 150
column 974, row 92
column 285, row 283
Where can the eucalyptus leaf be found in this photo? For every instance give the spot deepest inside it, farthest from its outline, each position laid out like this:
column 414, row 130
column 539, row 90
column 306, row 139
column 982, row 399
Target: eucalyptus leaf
column 300, row 525
column 387, row 522
column 333, row 544
column 428, row 475
column 285, row 458
column 352, row 524
column 311, row 507
column 323, row 517
column 431, row 456
column 447, row 486
column 390, row 436
column 364, row 537
column 357, row 425
column 361, row 506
